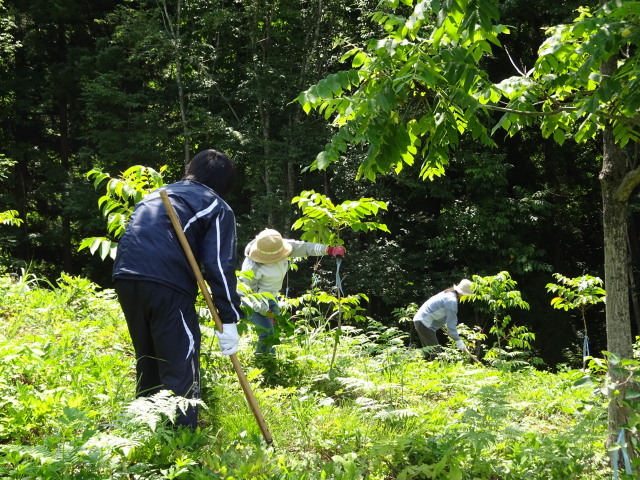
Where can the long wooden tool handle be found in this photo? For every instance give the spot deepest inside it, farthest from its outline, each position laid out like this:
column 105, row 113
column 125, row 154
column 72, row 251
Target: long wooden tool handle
column 251, row 399
column 471, row 355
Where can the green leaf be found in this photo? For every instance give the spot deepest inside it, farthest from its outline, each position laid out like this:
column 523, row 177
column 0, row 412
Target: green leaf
column 324, row 159
column 559, row 136
column 631, row 394
column 359, row 59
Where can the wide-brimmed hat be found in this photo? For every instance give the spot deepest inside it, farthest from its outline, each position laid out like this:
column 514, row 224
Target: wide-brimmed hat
column 269, row 247
column 464, row 287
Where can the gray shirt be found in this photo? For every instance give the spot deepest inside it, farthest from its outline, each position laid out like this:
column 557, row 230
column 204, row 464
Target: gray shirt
column 439, row 310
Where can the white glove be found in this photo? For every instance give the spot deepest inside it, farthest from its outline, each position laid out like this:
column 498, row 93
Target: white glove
column 228, row 338
column 461, row 346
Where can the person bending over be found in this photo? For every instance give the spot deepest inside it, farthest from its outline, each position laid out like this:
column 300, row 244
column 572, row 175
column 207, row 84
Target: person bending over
column 267, row 256
column 438, row 311
column 157, row 288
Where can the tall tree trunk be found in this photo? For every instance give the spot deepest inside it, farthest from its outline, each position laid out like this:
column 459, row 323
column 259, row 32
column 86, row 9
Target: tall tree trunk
column 614, row 217
column 265, row 121
column 174, row 33
column 260, row 47
column 291, row 182
column 312, row 40
column 65, row 154
column 21, row 190
column 618, row 315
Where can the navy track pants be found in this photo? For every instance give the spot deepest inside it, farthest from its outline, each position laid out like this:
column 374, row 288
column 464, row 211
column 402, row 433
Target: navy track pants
column 165, row 332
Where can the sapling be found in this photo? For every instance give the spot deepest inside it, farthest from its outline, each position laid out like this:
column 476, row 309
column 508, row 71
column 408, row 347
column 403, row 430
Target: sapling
column 498, row 293
column 322, row 221
column 577, row 293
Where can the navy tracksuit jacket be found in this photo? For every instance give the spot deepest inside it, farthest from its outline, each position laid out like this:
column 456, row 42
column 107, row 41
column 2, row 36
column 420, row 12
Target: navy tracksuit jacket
column 157, row 288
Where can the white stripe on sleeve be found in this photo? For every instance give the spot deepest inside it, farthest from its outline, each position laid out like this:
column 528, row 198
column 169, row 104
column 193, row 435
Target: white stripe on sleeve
column 222, row 275
column 199, row 214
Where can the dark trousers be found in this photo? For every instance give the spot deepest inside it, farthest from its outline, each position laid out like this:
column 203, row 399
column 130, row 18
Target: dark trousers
column 428, row 338
column 165, row 332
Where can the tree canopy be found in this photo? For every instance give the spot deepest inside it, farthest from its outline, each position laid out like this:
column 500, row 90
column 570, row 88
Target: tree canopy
column 113, row 85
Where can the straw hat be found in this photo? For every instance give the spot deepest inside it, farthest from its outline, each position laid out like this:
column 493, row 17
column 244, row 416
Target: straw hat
column 269, row 247
column 464, row 287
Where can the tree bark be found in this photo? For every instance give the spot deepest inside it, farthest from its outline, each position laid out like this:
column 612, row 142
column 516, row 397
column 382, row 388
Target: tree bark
column 312, row 39
column 174, row 33
column 62, row 103
column 265, row 122
column 65, row 154
column 617, row 180
column 291, row 182
column 619, row 339
column 632, row 255
column 21, row 190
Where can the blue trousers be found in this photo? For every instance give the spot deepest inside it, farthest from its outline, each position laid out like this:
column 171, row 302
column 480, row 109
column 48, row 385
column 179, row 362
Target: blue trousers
column 165, row 332
column 264, row 328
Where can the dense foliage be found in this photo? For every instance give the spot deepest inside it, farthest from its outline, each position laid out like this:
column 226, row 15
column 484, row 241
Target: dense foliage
column 583, row 86
column 379, row 412
column 109, row 85
column 442, row 92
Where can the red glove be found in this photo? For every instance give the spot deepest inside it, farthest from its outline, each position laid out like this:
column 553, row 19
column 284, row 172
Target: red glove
column 336, row 251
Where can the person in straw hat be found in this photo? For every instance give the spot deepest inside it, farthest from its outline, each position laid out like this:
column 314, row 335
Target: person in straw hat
column 441, row 309
column 267, row 256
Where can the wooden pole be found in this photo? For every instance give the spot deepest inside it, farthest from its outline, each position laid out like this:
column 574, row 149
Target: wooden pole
column 471, row 355
column 251, row 399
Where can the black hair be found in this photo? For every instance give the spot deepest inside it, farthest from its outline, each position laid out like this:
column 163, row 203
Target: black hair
column 213, row 169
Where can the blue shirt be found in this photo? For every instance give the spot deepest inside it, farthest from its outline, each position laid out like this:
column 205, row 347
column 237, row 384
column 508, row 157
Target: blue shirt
column 439, row 310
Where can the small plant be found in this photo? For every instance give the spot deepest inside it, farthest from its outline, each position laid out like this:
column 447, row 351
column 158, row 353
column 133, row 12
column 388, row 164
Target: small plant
column 577, row 293
column 473, row 336
column 322, row 221
column 316, row 309
column 405, row 314
column 498, row 293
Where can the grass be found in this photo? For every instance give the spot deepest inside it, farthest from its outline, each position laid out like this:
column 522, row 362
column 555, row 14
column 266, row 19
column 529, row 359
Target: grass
column 380, row 412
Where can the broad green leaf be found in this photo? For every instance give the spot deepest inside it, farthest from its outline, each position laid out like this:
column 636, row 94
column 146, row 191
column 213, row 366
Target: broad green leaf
column 559, row 136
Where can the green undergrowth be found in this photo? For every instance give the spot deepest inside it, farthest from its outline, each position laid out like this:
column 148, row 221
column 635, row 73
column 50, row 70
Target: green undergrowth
column 379, row 411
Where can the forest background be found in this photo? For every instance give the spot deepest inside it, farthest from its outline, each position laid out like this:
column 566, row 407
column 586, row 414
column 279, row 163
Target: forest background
column 111, row 84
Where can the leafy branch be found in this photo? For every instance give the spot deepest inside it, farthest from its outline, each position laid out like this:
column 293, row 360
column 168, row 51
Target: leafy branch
column 322, row 221
column 117, row 204
column 10, row 217
column 577, row 293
